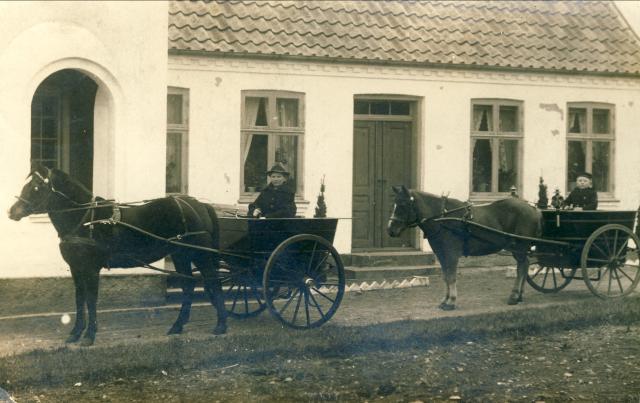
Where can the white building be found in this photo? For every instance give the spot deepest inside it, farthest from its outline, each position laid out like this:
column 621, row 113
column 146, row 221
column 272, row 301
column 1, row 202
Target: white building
column 469, row 98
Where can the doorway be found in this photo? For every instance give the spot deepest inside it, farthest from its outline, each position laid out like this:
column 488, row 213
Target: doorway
column 382, row 158
column 62, row 111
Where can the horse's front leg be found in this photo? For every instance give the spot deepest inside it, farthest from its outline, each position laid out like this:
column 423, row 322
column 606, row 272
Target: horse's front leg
column 449, row 274
column 79, row 324
column 518, row 286
column 92, row 283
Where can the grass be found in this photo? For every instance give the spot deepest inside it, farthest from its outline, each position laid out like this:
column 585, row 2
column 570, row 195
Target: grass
column 70, row 365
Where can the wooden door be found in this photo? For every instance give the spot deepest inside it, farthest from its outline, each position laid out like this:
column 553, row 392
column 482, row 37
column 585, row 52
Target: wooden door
column 382, row 158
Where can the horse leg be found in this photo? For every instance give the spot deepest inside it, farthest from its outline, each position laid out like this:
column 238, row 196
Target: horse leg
column 78, row 326
column 92, row 284
column 518, row 286
column 449, row 272
column 183, row 266
column 208, row 266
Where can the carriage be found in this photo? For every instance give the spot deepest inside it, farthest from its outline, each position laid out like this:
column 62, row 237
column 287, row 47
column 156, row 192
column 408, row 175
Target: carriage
column 286, row 265
column 602, row 244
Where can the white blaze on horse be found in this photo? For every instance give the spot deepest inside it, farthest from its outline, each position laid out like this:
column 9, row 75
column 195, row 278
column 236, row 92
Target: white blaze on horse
column 507, row 224
column 95, row 233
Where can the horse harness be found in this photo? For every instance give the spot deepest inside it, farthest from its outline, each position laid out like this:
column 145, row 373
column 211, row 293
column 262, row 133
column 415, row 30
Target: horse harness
column 444, row 212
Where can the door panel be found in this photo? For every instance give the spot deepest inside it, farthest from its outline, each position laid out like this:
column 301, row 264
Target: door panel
column 363, row 185
column 396, row 170
column 382, row 158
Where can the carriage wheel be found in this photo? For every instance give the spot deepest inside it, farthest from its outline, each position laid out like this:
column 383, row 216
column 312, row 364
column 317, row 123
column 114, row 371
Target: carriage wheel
column 548, row 279
column 610, row 261
column 304, row 281
column 242, row 292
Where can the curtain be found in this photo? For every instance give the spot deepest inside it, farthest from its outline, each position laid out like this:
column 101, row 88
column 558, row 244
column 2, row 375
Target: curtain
column 482, row 120
column 251, row 105
column 577, row 121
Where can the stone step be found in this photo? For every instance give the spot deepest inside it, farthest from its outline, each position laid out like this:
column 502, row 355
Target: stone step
column 389, row 258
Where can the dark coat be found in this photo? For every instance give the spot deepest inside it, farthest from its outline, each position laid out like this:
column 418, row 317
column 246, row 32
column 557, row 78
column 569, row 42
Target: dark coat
column 275, row 202
column 585, row 198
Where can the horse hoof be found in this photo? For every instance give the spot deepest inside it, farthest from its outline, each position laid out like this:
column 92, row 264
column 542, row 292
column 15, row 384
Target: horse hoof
column 220, row 329
column 447, row 307
column 514, row 301
column 87, row 341
column 174, row 330
column 73, row 338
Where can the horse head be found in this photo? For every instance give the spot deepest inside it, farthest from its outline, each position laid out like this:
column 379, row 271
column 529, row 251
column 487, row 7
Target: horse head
column 35, row 194
column 46, row 190
column 404, row 213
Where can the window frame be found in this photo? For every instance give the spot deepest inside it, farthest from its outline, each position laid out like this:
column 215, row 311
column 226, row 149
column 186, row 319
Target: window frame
column 493, row 135
column 181, row 129
column 272, row 130
column 589, row 136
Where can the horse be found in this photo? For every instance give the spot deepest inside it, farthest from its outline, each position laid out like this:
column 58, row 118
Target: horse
column 449, row 239
column 95, row 233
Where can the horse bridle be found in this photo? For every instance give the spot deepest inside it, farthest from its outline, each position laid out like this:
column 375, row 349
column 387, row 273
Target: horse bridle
column 41, row 208
column 417, row 221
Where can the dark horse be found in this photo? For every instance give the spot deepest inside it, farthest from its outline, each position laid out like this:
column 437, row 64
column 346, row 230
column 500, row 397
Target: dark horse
column 449, row 239
column 128, row 236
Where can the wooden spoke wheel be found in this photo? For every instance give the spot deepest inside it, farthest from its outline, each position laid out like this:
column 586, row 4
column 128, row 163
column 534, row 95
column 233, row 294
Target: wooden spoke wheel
column 242, row 292
column 548, row 279
column 304, row 281
column 609, row 261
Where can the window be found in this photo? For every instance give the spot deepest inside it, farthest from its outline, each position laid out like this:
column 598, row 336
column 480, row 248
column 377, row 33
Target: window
column 272, row 131
column 177, row 140
column 590, row 144
column 45, row 130
column 496, row 146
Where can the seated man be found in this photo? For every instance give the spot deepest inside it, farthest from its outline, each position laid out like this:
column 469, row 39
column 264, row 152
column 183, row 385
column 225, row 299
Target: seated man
column 277, row 200
column 583, row 196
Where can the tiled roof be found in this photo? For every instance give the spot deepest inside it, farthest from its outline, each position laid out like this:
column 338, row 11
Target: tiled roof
column 587, row 37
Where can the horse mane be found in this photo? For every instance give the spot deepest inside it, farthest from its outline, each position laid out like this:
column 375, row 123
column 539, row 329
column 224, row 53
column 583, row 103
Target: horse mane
column 451, row 202
column 71, row 187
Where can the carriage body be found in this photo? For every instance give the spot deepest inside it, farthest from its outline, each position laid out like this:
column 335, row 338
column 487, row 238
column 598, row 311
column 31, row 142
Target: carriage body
column 255, row 239
column 597, row 246
column 573, row 229
column 287, row 265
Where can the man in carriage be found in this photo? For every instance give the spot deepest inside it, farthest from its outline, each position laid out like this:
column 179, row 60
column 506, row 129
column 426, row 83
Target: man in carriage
column 277, row 199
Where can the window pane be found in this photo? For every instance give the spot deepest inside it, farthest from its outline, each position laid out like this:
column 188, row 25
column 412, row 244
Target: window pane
column 508, row 118
column 49, row 129
column 36, row 150
column 287, row 112
column 400, row 108
column 482, row 166
column 174, row 163
column 174, row 109
column 601, row 121
column 380, row 108
column 508, row 165
column 576, row 161
column 255, row 111
column 49, row 149
column 360, row 107
column 35, row 127
column 287, row 155
column 482, row 118
column 600, row 165
column 577, row 120
column 255, row 164
column 49, row 107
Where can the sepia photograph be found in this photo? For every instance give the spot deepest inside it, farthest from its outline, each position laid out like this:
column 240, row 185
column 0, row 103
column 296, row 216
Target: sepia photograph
column 243, row 201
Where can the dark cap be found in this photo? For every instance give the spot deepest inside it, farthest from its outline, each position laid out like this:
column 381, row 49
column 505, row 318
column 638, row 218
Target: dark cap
column 584, row 175
column 278, row 169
